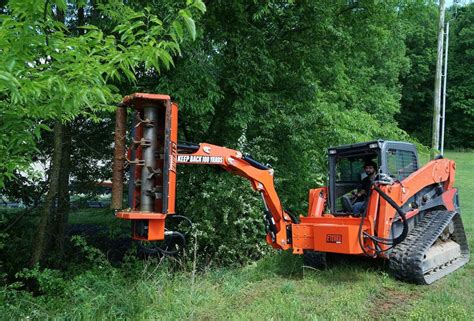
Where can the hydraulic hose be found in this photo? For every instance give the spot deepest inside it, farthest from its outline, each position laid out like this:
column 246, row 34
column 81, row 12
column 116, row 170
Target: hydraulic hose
column 181, row 217
column 169, row 235
column 391, row 242
column 404, row 233
column 173, row 234
column 249, row 159
column 362, row 218
column 157, row 249
column 188, row 147
column 294, row 217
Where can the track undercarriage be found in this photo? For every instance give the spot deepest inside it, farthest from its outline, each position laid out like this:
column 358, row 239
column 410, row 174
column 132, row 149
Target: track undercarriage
column 436, row 247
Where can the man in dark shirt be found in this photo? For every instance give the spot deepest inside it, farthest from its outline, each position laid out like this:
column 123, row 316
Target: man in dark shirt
column 370, row 169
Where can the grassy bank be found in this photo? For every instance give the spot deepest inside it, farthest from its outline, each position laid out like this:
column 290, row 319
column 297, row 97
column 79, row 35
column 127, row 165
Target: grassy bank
column 276, row 287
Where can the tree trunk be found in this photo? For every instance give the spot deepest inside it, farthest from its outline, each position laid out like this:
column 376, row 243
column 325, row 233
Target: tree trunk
column 53, row 218
column 61, row 214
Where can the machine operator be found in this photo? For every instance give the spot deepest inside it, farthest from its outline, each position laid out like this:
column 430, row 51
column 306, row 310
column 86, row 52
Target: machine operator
column 360, row 203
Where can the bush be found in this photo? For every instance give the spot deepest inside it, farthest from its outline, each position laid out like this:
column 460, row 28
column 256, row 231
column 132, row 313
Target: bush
column 227, row 217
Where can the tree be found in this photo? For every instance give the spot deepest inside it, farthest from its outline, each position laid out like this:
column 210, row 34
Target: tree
column 282, row 81
column 420, row 22
column 57, row 64
column 460, row 97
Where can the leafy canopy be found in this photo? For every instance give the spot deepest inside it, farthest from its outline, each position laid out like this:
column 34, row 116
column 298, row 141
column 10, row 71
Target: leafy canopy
column 55, row 66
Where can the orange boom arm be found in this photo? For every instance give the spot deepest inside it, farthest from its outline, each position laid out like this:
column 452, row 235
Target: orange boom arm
column 278, row 222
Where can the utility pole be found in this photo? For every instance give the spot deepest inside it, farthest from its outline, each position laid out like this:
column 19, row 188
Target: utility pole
column 445, row 78
column 437, row 90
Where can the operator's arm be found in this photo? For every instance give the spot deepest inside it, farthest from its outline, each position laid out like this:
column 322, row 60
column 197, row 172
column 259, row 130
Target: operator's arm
column 363, row 188
column 259, row 175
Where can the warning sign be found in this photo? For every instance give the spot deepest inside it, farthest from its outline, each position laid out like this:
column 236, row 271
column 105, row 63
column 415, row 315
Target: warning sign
column 183, row 159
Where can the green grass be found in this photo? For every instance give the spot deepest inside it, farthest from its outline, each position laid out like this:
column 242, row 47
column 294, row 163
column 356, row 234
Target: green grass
column 276, row 287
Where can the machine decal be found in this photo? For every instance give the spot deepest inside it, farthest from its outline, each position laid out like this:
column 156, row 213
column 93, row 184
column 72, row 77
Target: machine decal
column 334, row 238
column 200, row 159
column 174, row 151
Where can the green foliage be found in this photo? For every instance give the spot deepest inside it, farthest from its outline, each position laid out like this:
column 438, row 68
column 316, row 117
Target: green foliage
column 229, row 224
column 460, row 99
column 91, row 255
column 49, row 281
column 16, row 241
column 420, row 20
column 282, row 81
column 51, row 70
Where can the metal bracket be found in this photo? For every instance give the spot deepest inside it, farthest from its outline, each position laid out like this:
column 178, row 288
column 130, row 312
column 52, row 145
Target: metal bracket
column 153, row 172
column 138, row 162
column 156, row 192
column 143, row 142
column 146, row 122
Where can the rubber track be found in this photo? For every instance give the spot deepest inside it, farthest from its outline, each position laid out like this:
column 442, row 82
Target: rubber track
column 406, row 259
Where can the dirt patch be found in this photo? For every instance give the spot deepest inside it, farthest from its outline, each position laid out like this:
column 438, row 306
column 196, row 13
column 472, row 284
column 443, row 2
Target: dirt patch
column 389, row 300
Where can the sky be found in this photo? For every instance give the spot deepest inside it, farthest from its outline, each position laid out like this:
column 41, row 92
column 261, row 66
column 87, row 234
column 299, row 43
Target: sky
column 461, row 2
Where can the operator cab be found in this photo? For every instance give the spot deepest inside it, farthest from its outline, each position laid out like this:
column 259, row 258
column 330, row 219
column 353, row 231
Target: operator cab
column 346, row 168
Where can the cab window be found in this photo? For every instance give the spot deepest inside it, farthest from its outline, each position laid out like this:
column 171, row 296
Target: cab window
column 401, row 163
column 349, row 170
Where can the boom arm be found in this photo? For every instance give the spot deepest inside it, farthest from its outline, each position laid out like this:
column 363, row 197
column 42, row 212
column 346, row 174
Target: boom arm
column 278, row 222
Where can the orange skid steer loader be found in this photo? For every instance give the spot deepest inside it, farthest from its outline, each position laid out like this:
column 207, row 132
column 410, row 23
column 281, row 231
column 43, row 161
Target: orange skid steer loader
column 409, row 216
